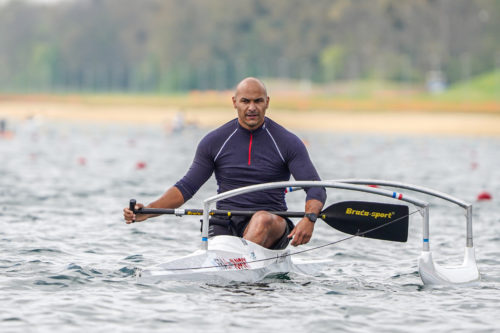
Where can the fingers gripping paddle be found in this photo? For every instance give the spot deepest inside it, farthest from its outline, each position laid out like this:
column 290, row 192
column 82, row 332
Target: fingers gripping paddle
column 389, row 221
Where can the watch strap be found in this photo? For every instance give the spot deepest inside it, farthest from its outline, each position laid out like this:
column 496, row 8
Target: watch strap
column 312, row 217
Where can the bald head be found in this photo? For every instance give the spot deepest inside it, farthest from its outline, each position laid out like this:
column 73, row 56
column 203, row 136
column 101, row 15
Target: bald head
column 251, row 101
column 250, row 84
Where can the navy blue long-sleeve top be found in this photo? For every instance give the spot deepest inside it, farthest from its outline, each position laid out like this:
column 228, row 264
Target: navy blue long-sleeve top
column 240, row 157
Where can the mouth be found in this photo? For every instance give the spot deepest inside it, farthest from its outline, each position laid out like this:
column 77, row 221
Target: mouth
column 252, row 116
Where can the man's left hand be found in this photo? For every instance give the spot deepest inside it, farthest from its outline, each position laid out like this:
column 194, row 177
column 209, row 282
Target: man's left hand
column 302, row 232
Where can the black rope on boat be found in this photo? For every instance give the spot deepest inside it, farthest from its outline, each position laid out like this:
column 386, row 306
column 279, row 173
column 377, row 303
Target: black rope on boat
column 284, row 255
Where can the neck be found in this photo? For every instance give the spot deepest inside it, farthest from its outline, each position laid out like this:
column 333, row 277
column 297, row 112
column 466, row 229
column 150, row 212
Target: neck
column 252, row 128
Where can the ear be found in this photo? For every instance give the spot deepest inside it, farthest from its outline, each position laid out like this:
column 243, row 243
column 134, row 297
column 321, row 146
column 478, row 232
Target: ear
column 234, row 101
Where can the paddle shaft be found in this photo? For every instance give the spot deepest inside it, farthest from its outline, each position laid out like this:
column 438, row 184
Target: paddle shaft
column 352, row 217
column 181, row 212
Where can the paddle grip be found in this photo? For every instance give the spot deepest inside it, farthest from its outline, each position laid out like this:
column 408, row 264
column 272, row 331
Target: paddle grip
column 131, row 205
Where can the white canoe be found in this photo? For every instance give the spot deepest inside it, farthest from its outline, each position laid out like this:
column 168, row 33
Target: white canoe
column 229, row 259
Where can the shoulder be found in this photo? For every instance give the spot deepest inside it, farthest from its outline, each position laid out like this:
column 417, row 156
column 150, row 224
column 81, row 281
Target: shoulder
column 221, row 133
column 214, row 139
column 282, row 136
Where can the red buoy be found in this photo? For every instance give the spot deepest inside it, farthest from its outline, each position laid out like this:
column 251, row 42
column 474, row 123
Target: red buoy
column 484, row 196
column 82, row 160
column 140, row 165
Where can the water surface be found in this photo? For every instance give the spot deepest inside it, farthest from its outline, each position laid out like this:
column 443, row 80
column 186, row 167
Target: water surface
column 68, row 260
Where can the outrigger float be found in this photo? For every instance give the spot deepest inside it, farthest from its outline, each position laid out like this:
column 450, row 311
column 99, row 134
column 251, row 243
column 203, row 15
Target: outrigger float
column 225, row 259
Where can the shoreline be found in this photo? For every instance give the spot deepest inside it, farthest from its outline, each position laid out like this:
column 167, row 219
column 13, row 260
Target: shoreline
column 383, row 122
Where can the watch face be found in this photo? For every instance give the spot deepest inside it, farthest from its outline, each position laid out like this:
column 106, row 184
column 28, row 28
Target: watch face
column 312, row 217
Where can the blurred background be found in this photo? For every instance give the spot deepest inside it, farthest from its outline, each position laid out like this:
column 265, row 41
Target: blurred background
column 322, row 48
column 105, row 100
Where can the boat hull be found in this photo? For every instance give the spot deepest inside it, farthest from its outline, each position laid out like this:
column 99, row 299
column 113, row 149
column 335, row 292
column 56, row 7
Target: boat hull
column 229, row 259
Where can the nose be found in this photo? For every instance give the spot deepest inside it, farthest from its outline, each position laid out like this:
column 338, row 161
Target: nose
column 252, row 106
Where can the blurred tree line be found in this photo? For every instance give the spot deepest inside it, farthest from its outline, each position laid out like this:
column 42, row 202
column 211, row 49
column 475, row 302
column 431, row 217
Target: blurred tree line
column 179, row 45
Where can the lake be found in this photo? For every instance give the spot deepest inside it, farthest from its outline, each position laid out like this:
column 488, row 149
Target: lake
column 68, row 259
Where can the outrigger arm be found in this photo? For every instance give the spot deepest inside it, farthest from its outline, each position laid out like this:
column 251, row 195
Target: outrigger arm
column 430, row 272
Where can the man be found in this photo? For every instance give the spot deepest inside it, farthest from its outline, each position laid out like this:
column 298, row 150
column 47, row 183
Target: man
column 249, row 150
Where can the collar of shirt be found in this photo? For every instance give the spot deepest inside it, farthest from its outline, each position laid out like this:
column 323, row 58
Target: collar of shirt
column 255, row 131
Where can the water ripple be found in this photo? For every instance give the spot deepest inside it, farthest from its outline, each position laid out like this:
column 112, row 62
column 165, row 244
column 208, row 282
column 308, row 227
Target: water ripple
column 69, row 262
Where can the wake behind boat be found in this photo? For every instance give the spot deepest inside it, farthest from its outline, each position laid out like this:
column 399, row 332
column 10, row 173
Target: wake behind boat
column 224, row 259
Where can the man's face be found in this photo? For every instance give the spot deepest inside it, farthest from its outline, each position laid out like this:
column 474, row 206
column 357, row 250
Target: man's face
column 251, row 102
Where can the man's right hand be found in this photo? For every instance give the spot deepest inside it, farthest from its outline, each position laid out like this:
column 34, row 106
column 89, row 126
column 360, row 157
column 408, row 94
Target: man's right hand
column 172, row 198
column 130, row 217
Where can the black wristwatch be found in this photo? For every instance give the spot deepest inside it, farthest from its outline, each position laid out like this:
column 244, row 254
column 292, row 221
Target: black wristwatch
column 311, row 216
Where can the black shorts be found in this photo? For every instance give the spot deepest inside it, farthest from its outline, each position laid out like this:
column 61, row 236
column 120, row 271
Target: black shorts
column 235, row 226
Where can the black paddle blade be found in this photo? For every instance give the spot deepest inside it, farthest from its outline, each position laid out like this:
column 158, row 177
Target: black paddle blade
column 356, row 217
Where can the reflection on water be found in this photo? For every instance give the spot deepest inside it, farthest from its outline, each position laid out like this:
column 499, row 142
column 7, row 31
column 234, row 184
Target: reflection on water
column 68, row 260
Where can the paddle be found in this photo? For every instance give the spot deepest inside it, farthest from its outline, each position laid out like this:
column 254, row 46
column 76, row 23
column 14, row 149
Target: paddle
column 388, row 221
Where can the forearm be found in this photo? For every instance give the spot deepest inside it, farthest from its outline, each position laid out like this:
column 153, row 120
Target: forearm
column 313, row 206
column 172, row 198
